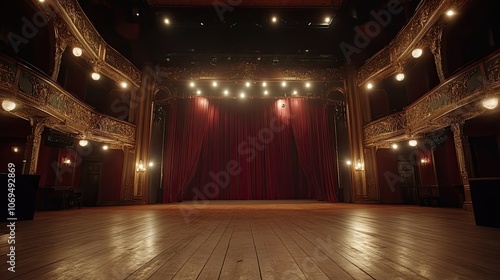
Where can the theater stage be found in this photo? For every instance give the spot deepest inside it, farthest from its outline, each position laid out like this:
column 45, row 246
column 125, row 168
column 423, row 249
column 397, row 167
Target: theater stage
column 254, row 240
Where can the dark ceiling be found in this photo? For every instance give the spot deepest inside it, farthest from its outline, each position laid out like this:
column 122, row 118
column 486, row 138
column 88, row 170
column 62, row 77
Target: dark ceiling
column 208, row 28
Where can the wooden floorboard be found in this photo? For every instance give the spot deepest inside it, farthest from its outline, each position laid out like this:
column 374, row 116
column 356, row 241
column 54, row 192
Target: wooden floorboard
column 253, row 240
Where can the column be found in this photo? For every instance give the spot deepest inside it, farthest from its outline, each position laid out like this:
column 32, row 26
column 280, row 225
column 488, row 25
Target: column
column 33, row 144
column 458, row 137
column 355, row 131
column 141, row 114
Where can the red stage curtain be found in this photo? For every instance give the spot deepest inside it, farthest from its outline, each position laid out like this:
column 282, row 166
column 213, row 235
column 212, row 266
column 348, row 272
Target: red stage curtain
column 258, row 149
column 187, row 126
column 248, row 153
column 316, row 152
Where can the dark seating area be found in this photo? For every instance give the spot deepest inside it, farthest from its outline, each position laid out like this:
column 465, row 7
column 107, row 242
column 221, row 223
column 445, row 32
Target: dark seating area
column 448, row 196
column 58, row 198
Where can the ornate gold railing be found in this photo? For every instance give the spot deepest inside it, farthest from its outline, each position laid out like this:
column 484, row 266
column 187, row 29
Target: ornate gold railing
column 39, row 96
column 385, row 62
column 458, row 97
column 110, row 62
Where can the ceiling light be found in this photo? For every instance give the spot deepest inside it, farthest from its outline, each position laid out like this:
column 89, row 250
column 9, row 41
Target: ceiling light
column 124, row 84
column 274, row 19
column 105, row 147
column 77, row 51
column 413, row 143
column 8, row 105
column 41, row 1
column 490, row 103
column 450, row 13
column 226, row 92
column 369, row 86
column 400, row 77
column 264, row 84
column 166, row 21
column 96, row 76
column 192, row 84
column 247, row 84
column 266, row 92
column 283, row 84
column 416, row 53
column 308, row 85
column 242, row 95
column 198, row 92
column 83, row 142
column 395, row 146
column 214, row 84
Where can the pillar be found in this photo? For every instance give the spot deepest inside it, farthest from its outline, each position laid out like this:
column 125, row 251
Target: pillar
column 460, row 147
column 355, row 131
column 33, row 144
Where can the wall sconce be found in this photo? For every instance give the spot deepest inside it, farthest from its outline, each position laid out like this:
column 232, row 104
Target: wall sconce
column 67, row 161
column 424, row 161
column 140, row 167
column 359, row 166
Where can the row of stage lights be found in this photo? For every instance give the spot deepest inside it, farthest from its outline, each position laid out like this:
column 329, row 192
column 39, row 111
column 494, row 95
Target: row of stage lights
column 248, row 85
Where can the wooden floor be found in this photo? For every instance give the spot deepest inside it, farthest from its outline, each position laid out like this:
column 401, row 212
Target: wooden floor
column 254, row 240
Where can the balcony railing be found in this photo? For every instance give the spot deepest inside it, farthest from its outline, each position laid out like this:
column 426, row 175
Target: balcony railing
column 39, row 96
column 458, row 97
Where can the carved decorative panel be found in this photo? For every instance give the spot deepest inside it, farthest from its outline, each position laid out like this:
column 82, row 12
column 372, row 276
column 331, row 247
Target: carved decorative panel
column 453, row 100
column 73, row 18
column 247, row 70
column 378, row 63
column 385, row 127
column 38, row 92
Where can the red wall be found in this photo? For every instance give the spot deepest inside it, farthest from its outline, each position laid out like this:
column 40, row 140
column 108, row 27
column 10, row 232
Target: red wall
column 111, row 176
column 387, row 168
column 445, row 159
column 427, row 174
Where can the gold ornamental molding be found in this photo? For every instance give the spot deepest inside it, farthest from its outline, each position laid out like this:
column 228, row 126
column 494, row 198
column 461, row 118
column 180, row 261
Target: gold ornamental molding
column 457, row 98
column 70, row 18
column 38, row 96
column 247, row 70
column 385, row 62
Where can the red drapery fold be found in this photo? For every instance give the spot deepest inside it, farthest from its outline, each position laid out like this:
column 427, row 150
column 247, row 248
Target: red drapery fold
column 187, row 126
column 316, row 153
column 248, row 153
column 259, row 149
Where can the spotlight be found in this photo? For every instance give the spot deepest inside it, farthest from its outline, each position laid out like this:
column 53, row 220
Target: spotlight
column 490, row 103
column 242, row 95
column 96, row 76
column 264, row 84
column 395, row 146
column 283, row 84
column 327, row 19
column 450, row 13
column 247, row 84
column 77, row 51
column 192, row 84
column 123, row 84
column 274, row 19
column 105, row 147
column 416, row 53
column 400, row 77
column 226, row 92
column 214, row 84
column 8, row 105
column 308, row 85
column 295, row 92
column 15, row 149
column 369, row 86
column 167, row 21
column 83, row 142
column 413, row 143
column 198, row 92
column 266, row 92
